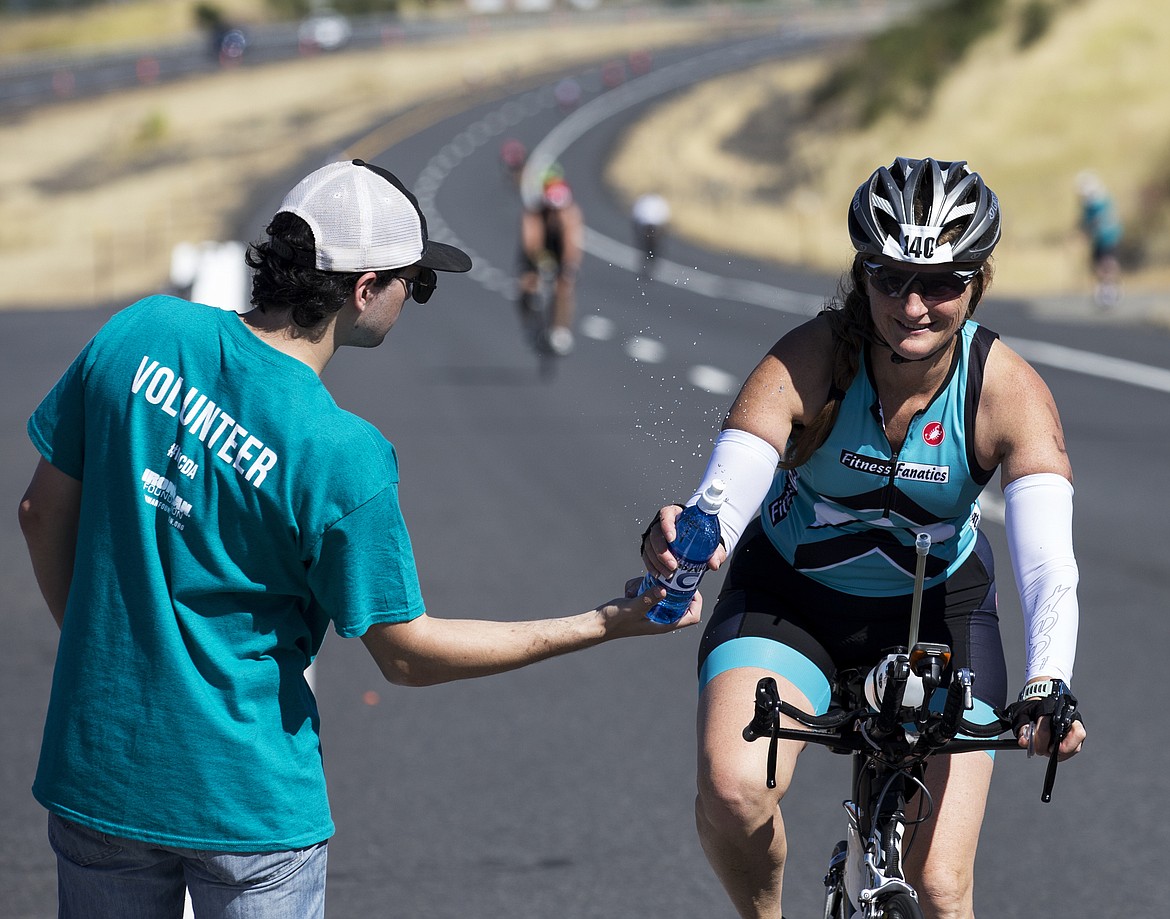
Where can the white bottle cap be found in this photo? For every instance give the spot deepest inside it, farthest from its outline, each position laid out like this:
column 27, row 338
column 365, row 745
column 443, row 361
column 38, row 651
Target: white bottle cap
column 711, row 500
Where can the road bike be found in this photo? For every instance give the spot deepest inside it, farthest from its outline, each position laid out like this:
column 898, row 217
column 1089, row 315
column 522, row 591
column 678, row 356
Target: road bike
column 536, row 315
column 883, row 718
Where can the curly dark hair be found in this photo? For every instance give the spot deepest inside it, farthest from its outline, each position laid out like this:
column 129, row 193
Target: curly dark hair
column 286, row 278
column 851, row 323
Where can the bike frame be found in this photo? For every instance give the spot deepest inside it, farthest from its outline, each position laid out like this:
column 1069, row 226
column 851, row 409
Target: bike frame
column 889, row 745
column 876, row 827
column 887, row 774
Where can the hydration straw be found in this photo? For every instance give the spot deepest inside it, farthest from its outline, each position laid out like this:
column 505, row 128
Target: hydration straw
column 922, row 548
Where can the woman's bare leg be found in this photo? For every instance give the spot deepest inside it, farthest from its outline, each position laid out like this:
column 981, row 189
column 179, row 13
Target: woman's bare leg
column 737, row 815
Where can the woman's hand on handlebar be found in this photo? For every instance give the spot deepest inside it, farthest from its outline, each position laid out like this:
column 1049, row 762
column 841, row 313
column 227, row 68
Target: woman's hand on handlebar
column 656, row 554
column 1037, row 736
column 1047, row 704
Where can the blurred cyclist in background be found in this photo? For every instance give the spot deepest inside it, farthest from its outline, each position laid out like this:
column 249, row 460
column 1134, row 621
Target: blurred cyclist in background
column 650, row 216
column 551, row 234
column 513, row 156
column 1100, row 223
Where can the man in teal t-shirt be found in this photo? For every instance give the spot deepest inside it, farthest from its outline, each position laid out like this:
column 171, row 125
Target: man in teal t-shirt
column 194, row 558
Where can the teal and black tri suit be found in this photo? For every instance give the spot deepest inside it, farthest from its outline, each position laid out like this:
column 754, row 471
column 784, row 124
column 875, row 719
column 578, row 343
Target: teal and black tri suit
column 821, row 581
column 230, row 512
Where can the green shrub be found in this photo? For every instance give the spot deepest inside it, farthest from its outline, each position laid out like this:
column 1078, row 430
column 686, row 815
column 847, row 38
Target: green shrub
column 899, row 69
column 208, row 16
column 1035, row 19
column 151, row 129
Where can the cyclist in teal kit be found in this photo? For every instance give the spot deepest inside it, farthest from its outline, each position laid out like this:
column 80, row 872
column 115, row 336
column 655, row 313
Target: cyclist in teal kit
column 883, row 417
column 202, row 513
column 863, row 487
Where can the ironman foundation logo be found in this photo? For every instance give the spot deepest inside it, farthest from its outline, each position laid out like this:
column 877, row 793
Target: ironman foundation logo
column 934, row 434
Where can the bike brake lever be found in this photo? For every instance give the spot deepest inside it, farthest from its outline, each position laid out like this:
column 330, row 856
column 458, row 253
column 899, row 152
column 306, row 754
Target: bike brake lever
column 773, row 745
column 1061, row 723
column 1049, row 777
column 767, row 715
column 766, row 721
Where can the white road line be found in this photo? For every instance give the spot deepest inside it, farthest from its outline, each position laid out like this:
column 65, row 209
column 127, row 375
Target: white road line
column 695, row 280
column 991, row 507
column 645, row 350
column 712, row 379
column 597, row 327
column 629, row 94
column 1091, row 364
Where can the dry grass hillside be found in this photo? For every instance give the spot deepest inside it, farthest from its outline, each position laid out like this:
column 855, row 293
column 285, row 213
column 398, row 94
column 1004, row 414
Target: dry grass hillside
column 95, row 193
column 1088, row 94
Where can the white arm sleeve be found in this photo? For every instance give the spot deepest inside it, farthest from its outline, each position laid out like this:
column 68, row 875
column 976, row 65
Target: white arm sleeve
column 1039, row 531
column 747, row 465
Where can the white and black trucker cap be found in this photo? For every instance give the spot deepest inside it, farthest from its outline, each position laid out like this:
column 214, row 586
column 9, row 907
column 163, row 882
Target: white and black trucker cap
column 364, row 219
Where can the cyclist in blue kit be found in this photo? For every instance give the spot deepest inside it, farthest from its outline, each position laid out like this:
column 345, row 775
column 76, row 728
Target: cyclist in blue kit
column 202, row 513
column 883, row 417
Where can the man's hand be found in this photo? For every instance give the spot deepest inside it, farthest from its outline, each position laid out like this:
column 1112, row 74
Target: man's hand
column 627, row 615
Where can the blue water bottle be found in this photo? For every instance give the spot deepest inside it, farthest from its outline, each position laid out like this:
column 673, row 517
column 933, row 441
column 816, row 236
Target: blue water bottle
column 696, row 539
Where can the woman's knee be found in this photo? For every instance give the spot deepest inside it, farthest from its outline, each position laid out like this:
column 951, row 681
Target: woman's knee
column 946, row 890
column 734, row 798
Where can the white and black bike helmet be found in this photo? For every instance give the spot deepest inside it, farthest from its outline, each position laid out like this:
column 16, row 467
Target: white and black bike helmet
column 903, row 209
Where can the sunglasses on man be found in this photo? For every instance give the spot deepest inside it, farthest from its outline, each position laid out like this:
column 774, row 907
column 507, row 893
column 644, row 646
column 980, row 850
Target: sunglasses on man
column 421, row 286
column 934, row 286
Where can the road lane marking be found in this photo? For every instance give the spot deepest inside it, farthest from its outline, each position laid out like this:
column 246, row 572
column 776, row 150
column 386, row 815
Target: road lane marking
column 713, row 380
column 1092, row 364
column 599, row 328
column 645, row 350
column 991, row 507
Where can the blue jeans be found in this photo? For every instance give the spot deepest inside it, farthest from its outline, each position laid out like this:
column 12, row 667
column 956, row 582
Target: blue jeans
column 107, row 877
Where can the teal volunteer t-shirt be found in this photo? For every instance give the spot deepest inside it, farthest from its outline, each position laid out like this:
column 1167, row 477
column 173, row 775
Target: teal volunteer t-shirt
column 230, row 511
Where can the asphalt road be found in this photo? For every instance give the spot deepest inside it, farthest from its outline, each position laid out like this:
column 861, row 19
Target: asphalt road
column 565, row 790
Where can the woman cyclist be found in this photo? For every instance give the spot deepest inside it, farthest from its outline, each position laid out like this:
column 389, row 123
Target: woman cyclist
column 887, row 414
